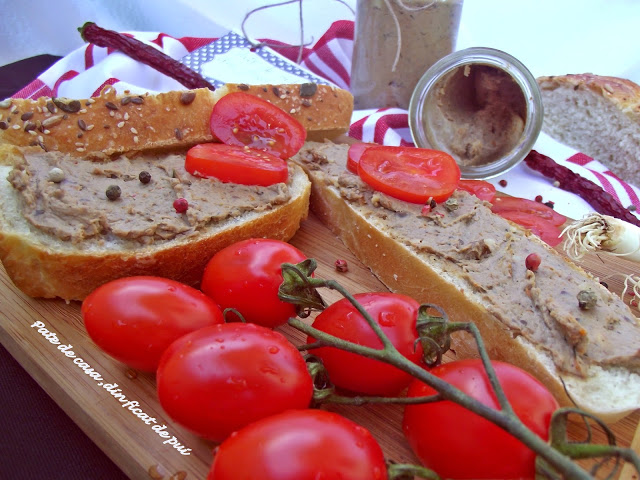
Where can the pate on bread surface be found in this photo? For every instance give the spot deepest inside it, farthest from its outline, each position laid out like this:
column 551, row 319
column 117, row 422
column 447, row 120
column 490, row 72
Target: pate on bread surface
column 485, row 254
column 77, row 207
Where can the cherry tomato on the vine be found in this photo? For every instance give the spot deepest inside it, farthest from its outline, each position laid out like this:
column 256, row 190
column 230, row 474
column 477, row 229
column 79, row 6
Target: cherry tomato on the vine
column 218, row 379
column 246, row 276
column 300, row 445
column 396, row 314
column 458, row 443
column 233, row 164
column 242, row 119
column 411, row 174
column 134, row 319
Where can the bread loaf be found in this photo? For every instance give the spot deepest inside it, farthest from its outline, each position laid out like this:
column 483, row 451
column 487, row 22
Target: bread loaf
column 472, row 263
column 112, row 124
column 597, row 115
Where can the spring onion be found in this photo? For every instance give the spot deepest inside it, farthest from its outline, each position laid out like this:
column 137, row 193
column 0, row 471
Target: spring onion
column 602, row 233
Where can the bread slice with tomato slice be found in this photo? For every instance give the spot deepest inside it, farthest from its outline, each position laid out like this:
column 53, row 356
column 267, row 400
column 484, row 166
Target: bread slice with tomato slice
column 553, row 319
column 112, row 123
column 87, row 187
column 63, row 234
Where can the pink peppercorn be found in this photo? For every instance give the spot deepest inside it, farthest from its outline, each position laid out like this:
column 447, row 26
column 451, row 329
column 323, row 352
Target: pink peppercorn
column 181, row 205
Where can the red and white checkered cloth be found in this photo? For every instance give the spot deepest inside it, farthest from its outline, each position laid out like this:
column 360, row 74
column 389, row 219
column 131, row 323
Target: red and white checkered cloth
column 85, row 71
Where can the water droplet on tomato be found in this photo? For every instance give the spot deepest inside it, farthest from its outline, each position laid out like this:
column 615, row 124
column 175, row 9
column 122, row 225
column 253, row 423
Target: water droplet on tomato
column 240, row 382
column 273, row 349
column 171, row 288
column 270, row 370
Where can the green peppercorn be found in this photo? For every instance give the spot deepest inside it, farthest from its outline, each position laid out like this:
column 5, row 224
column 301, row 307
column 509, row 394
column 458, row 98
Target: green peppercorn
column 587, row 299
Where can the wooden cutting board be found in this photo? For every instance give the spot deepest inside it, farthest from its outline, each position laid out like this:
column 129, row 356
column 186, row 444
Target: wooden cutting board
column 143, row 450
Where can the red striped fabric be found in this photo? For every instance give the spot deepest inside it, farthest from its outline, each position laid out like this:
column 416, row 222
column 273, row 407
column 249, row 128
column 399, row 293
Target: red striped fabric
column 108, row 81
column 65, row 77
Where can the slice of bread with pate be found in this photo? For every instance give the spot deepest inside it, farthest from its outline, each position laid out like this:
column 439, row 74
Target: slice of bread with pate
column 62, row 236
column 471, row 262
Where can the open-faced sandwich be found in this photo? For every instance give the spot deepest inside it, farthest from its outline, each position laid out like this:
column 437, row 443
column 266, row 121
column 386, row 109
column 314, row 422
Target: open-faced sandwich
column 97, row 189
column 534, row 308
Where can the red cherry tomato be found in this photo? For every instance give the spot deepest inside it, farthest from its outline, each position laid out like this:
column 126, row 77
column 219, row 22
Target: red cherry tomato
column 218, row 379
column 411, row 174
column 522, row 205
column 233, row 164
column 246, row 276
column 134, row 319
column 459, row 444
column 396, row 314
column 242, row 119
column 480, row 188
column 300, row 445
column 353, row 156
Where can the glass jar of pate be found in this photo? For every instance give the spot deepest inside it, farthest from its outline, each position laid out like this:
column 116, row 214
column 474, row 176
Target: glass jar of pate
column 482, row 106
column 396, row 41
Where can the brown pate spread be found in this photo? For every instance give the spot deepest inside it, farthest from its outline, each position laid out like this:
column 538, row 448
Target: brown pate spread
column 487, row 254
column 478, row 112
column 77, row 208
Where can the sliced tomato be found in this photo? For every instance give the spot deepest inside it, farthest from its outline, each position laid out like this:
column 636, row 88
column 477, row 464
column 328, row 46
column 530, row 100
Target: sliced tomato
column 234, row 164
column 522, row 205
column 544, row 229
column 354, row 154
column 242, row 119
column 411, row 174
column 480, row 188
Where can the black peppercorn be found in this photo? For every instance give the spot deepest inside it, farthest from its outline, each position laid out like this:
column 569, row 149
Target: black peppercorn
column 113, row 192
column 145, row 177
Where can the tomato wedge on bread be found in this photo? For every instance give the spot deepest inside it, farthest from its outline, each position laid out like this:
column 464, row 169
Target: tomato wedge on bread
column 542, row 220
column 480, row 188
column 246, row 120
column 235, row 164
column 414, row 175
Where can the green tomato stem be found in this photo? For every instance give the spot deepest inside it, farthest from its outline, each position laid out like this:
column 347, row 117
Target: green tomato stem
column 401, row 471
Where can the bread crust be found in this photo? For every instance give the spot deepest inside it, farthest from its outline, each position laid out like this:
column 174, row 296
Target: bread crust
column 402, row 269
column 42, row 271
column 624, row 93
column 112, row 124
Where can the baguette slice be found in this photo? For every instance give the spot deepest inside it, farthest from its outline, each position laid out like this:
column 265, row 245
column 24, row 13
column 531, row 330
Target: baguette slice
column 477, row 273
column 43, row 264
column 598, row 115
column 112, row 124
